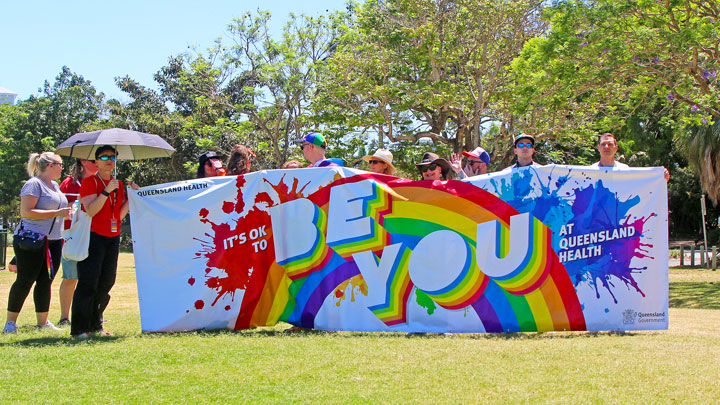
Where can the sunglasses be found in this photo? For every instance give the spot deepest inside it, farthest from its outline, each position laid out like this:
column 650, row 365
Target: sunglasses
column 58, row 163
column 524, row 145
column 431, row 166
column 375, row 162
column 105, row 158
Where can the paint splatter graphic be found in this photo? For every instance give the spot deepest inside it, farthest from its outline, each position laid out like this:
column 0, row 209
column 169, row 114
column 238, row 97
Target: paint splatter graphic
column 239, row 253
column 355, row 283
column 592, row 210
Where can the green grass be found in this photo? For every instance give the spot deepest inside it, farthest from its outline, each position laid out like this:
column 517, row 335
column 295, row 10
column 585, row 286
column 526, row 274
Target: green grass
column 266, row 365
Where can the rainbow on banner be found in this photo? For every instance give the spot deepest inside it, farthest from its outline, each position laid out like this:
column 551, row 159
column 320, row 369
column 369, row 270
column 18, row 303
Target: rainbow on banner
column 531, row 292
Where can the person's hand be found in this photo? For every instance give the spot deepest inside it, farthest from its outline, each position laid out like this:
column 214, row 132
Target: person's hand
column 64, row 212
column 667, row 174
column 112, row 186
column 133, row 186
column 12, row 268
column 456, row 162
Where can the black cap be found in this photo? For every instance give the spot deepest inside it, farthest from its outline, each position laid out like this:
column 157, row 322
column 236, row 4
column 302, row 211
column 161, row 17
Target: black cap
column 203, row 159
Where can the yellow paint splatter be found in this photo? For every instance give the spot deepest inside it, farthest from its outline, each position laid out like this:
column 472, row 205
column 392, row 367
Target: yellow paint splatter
column 356, row 282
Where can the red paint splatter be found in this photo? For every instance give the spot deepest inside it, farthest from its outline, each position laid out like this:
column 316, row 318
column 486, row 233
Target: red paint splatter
column 285, row 193
column 339, row 293
column 191, row 281
column 208, row 270
column 227, row 307
column 199, row 304
column 228, row 207
column 187, row 311
column 204, row 212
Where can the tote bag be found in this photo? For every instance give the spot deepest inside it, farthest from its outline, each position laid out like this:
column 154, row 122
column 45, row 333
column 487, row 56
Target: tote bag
column 76, row 239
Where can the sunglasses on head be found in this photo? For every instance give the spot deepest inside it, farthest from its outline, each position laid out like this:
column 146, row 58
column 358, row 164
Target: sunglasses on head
column 431, row 166
column 524, row 145
column 105, row 158
column 375, row 162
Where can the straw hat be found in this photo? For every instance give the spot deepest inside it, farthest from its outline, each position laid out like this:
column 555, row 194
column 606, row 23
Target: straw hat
column 384, row 155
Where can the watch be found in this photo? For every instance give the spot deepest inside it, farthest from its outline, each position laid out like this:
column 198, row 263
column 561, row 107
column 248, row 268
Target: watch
column 105, row 193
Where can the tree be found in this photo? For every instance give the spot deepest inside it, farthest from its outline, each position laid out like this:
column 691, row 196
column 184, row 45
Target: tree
column 408, row 69
column 40, row 123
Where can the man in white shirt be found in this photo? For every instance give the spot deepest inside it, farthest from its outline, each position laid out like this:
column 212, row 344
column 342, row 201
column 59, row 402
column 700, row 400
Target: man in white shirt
column 607, row 146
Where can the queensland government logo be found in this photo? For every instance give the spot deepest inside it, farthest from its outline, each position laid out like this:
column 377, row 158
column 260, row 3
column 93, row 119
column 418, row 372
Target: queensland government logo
column 629, row 317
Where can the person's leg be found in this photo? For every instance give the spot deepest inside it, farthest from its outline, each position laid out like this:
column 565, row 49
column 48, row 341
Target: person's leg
column 43, row 283
column 67, row 289
column 107, row 280
column 29, row 265
column 83, row 304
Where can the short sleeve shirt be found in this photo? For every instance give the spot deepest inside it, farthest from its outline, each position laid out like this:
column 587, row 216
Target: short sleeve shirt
column 616, row 166
column 101, row 222
column 48, row 198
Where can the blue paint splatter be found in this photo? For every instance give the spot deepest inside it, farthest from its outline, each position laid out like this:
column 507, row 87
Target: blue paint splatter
column 590, row 208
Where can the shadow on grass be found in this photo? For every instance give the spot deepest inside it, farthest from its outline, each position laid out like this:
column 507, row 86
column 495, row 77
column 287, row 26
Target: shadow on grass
column 695, row 295
column 60, row 341
column 304, row 333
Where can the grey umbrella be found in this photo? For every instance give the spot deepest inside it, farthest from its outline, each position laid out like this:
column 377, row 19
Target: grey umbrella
column 130, row 145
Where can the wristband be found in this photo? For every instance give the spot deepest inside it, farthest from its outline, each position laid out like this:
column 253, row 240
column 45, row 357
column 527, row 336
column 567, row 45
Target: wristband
column 105, row 193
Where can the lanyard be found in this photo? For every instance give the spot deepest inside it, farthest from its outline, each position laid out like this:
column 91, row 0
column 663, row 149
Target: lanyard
column 112, row 198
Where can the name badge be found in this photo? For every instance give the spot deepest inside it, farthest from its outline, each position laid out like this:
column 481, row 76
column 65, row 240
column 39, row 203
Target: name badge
column 113, row 225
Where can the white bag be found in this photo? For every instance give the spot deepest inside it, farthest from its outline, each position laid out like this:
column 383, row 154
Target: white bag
column 76, row 239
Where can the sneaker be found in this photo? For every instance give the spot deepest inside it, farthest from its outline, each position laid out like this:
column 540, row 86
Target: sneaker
column 10, row 327
column 105, row 333
column 82, row 336
column 64, row 322
column 48, row 326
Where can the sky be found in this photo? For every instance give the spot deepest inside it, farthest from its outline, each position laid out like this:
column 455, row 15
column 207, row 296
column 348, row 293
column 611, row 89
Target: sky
column 101, row 40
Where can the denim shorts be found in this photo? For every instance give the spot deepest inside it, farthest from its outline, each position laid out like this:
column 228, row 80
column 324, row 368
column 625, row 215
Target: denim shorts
column 69, row 269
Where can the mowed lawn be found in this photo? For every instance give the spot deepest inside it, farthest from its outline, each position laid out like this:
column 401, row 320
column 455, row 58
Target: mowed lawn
column 266, row 365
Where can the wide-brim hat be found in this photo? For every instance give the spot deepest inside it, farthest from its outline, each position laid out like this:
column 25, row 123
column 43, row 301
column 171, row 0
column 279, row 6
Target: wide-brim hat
column 478, row 154
column 524, row 136
column 384, row 155
column 430, row 158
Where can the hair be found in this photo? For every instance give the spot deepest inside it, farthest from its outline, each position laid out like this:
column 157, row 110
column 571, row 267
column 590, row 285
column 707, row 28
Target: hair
column 287, row 164
column 606, row 134
column 238, row 161
column 77, row 170
column 104, row 148
column 38, row 162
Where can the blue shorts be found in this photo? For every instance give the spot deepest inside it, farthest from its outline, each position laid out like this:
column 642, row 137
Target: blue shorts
column 69, row 268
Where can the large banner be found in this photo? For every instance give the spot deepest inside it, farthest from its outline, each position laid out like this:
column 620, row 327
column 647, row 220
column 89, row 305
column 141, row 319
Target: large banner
column 548, row 248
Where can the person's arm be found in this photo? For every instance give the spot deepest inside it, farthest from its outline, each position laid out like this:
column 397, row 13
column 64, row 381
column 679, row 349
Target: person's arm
column 28, row 210
column 93, row 203
column 126, row 205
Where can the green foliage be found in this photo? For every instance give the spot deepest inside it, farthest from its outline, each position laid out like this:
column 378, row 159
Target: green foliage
column 40, row 123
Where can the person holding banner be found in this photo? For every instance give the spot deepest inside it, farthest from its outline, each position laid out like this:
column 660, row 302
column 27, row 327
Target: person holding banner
column 41, row 205
column 608, row 147
column 71, row 188
column 210, row 165
column 239, row 160
column 103, row 199
column 433, row 167
column 381, row 162
column 313, row 147
column 524, row 149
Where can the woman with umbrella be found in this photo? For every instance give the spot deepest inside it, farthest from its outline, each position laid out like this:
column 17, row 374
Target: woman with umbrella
column 103, row 199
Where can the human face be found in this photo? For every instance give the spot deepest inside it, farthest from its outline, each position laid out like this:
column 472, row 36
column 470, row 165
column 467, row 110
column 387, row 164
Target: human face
column 607, row 147
column 89, row 166
column 524, row 149
column 55, row 168
column 377, row 166
column 478, row 166
column 211, row 167
column 431, row 172
column 106, row 162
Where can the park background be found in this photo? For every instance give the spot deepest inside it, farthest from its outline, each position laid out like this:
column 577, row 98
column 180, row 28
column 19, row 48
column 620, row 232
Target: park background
column 410, row 76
